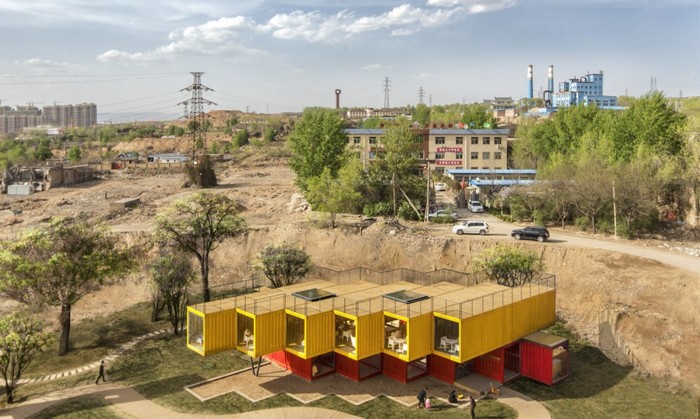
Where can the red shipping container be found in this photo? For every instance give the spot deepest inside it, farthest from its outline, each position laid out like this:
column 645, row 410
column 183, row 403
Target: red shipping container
column 347, row 367
column 441, row 368
column 490, row 365
column 394, row 368
column 544, row 358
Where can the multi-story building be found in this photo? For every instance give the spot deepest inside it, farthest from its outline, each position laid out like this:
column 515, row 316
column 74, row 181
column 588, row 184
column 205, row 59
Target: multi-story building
column 586, row 90
column 403, row 324
column 444, row 148
column 61, row 116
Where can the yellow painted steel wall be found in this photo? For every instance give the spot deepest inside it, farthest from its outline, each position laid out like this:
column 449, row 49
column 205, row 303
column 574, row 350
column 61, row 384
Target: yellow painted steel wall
column 269, row 333
column 319, row 332
column 370, row 335
column 535, row 313
column 420, row 336
column 219, row 331
column 491, row 330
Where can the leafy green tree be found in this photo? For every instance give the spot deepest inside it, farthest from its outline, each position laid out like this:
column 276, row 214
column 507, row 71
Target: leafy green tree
column 284, row 264
column 171, row 275
column 317, row 142
column 197, row 226
column 509, row 266
column 374, row 122
column 22, row 338
column 241, row 138
column 59, row 264
column 74, row 153
column 421, row 114
column 398, row 156
column 339, row 194
column 477, row 115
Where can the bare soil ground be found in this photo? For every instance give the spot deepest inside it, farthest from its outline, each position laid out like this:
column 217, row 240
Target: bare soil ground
column 624, row 298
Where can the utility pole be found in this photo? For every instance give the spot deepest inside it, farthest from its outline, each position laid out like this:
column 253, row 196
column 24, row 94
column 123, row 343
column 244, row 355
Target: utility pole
column 387, row 87
column 196, row 115
column 427, row 191
column 614, row 209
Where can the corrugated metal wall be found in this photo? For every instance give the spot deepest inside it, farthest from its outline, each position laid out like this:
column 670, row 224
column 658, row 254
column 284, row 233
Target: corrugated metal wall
column 490, row 365
column 420, row 336
column 319, row 332
column 370, row 335
column 536, row 362
column 299, row 366
column 394, row 368
column 535, row 313
column 269, row 333
column 485, row 332
column 347, row 367
column 219, row 331
column 279, row 358
column 441, row 368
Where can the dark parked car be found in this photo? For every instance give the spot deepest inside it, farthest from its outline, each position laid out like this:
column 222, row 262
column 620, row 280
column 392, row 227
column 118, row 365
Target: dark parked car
column 533, row 233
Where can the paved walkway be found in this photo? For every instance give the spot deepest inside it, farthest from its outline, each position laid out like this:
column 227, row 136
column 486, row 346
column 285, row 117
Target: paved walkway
column 129, row 402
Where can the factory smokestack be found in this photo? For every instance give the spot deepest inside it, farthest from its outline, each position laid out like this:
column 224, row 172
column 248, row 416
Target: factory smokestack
column 337, row 98
column 529, row 81
column 550, row 78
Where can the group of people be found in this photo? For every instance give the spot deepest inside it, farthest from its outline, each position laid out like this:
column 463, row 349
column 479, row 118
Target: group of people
column 424, row 400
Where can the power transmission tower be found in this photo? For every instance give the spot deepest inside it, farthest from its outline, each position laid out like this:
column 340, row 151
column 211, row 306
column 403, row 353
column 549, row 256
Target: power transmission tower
column 420, row 95
column 387, row 87
column 196, row 115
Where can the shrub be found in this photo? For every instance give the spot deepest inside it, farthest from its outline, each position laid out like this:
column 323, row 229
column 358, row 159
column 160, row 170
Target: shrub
column 519, row 212
column 376, row 209
column 583, row 223
column 406, row 212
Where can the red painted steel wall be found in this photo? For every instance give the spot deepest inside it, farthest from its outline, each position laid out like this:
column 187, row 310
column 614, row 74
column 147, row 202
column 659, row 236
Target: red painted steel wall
column 441, row 368
column 536, row 362
column 394, row 368
column 279, row 358
column 490, row 365
column 299, row 366
column 347, row 367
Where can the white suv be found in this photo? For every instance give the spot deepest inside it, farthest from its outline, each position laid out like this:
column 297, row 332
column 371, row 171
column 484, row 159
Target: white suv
column 471, row 227
column 475, row 206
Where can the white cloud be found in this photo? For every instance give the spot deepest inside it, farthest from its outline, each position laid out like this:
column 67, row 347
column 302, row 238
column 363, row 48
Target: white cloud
column 39, row 63
column 474, row 6
column 372, row 67
column 222, row 36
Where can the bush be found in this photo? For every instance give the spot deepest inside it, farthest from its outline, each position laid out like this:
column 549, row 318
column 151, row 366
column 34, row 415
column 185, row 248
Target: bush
column 443, row 219
column 583, row 223
column 376, row 209
column 540, row 217
column 519, row 212
column 406, row 212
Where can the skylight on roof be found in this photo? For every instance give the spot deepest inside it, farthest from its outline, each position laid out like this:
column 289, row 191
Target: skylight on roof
column 406, row 296
column 313, row 294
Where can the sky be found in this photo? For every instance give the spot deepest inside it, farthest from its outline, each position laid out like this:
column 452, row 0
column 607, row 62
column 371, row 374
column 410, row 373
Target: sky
column 133, row 57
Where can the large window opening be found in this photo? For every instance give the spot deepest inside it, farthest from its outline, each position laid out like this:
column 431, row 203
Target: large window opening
column 560, row 363
column 417, row 368
column 345, row 334
column 195, row 331
column 370, row 366
column 295, row 333
column 395, row 335
column 446, row 336
column 244, row 332
column 511, row 362
column 323, row 364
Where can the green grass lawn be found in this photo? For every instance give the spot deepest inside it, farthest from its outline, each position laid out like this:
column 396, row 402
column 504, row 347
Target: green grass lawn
column 159, row 368
column 597, row 387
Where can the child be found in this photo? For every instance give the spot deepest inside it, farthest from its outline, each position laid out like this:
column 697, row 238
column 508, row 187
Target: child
column 427, row 403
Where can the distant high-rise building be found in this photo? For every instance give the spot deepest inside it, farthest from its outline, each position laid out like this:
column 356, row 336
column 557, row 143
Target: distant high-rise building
column 66, row 116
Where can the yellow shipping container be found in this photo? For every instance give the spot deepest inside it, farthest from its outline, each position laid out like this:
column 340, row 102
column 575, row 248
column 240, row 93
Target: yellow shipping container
column 319, row 332
column 370, row 335
column 268, row 333
column 212, row 332
column 419, row 337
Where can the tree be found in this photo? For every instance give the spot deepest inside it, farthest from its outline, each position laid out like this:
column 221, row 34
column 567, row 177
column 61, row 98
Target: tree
column 421, row 114
column 171, row 275
column 284, row 264
column 241, row 138
column 478, row 116
column 317, row 142
column 398, row 155
column 74, row 153
column 198, row 225
column 59, row 264
column 509, row 266
column 340, row 194
column 21, row 340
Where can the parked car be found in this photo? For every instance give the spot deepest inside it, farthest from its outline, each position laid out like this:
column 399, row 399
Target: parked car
column 475, row 206
column 471, row 227
column 440, row 186
column 442, row 214
column 532, row 233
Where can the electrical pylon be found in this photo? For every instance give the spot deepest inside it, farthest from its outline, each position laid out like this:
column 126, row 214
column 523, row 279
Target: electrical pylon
column 196, row 114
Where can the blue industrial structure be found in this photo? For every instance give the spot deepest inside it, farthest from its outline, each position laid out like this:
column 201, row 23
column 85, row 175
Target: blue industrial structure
column 586, row 90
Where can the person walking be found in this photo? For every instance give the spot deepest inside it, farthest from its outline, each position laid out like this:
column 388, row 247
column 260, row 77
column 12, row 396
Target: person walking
column 422, row 395
column 101, row 373
column 472, row 407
